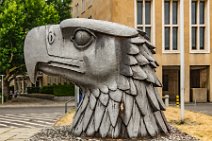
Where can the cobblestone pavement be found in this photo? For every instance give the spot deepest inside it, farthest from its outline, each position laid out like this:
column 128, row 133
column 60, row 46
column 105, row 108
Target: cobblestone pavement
column 30, row 120
column 205, row 108
column 23, row 117
column 17, row 134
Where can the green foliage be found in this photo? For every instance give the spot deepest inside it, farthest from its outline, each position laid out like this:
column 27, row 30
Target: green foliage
column 47, row 89
column 64, row 90
column 17, row 17
column 31, row 90
column 57, row 90
column 63, row 7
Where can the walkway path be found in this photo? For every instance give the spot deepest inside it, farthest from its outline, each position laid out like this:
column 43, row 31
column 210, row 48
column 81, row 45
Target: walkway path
column 17, row 134
column 23, row 117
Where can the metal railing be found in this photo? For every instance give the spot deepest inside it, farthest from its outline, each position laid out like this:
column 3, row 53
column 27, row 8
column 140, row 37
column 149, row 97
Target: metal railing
column 66, row 105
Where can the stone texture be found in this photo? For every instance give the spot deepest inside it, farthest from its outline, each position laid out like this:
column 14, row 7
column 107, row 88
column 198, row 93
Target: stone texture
column 102, row 58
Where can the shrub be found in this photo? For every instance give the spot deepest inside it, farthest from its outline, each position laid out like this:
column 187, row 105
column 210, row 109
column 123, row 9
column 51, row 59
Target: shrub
column 57, row 90
column 64, row 90
column 47, row 89
column 31, row 90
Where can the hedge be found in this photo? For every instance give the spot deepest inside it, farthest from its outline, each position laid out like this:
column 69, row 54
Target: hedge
column 63, row 90
column 57, row 90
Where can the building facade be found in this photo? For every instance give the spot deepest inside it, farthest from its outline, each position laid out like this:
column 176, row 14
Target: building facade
column 160, row 19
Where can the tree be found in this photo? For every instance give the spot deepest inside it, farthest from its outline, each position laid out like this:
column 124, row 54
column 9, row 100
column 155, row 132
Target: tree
column 63, row 7
column 17, row 17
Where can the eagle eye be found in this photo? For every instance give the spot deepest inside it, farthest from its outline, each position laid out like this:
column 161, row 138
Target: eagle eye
column 51, row 37
column 82, row 38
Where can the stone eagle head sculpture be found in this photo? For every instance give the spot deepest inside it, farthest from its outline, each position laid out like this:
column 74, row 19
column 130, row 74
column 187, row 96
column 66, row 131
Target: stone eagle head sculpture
column 114, row 66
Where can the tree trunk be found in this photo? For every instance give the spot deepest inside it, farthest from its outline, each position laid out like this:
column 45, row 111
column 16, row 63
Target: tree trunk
column 6, row 90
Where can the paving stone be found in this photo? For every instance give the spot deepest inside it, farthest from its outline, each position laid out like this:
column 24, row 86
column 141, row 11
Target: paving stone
column 4, row 130
column 16, row 134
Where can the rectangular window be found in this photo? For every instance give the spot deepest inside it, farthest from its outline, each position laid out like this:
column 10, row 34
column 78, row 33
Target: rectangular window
column 144, row 16
column 174, row 12
column 139, row 12
column 167, row 38
column 167, row 12
column 147, row 12
column 198, row 25
column 202, row 38
column 171, row 25
column 194, row 12
column 202, row 12
column 148, row 31
column 194, row 38
column 174, row 40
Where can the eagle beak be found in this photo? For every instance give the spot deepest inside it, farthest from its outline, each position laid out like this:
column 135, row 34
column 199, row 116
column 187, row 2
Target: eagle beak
column 35, row 50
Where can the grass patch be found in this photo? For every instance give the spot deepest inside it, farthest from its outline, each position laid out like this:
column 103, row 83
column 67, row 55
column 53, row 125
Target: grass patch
column 196, row 124
column 66, row 119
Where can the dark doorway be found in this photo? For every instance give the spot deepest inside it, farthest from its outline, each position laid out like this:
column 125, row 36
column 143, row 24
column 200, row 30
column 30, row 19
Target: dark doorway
column 199, row 83
column 171, row 83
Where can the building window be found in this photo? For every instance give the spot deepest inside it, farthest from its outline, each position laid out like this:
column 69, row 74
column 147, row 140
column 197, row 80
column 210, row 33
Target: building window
column 199, row 26
column 83, row 5
column 144, row 16
column 171, row 27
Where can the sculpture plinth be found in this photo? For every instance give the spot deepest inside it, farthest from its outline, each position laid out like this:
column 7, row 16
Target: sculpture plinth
column 114, row 66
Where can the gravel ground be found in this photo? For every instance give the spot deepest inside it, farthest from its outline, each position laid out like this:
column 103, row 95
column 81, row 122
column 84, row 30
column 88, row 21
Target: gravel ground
column 62, row 134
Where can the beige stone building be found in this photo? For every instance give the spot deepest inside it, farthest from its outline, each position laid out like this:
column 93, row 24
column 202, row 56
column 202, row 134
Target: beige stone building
column 161, row 20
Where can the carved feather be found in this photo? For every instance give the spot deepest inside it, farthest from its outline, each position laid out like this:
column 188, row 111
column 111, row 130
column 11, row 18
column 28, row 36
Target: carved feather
column 147, row 56
column 141, row 59
column 160, row 121
column 113, row 111
column 95, row 92
column 153, row 64
column 138, row 40
column 161, row 104
column 133, row 49
column 150, row 45
column 152, row 98
column 105, row 125
column 128, row 107
column 138, row 73
column 158, row 83
column 149, row 126
column 134, row 123
column 113, row 85
column 165, row 121
column 116, row 95
column 90, row 130
column 98, row 115
column 133, row 90
column 80, row 110
column 130, row 60
column 150, row 74
column 78, row 129
column 92, row 101
column 104, row 89
column 126, row 70
column 123, row 83
column 104, row 98
column 146, row 49
column 143, row 131
column 88, row 114
column 141, row 98
column 154, row 123
column 117, row 129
